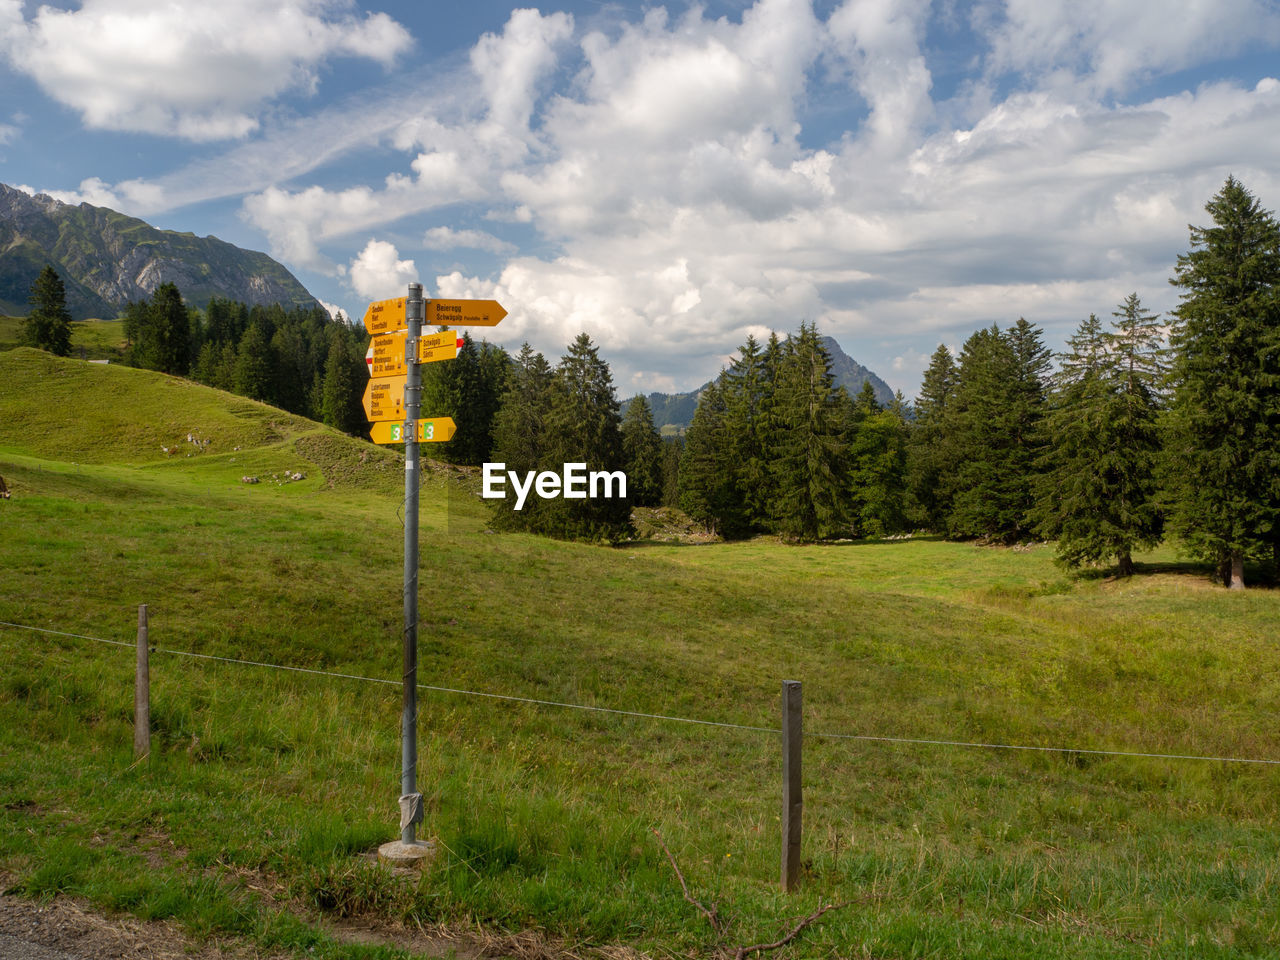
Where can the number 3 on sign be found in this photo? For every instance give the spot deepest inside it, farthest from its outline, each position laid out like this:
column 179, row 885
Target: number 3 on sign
column 397, row 432
column 428, row 431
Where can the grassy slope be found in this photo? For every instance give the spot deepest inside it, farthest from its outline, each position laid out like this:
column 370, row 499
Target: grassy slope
column 266, row 778
column 98, row 339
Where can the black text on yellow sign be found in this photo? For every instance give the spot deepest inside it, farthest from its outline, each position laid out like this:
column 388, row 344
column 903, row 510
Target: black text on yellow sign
column 384, row 398
column 384, row 316
column 389, row 357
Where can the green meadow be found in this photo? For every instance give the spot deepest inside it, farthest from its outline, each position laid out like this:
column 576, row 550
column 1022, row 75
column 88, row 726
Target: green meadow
column 266, row 788
column 96, row 339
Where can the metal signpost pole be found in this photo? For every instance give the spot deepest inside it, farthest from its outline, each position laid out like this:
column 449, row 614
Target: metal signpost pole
column 395, row 353
column 411, row 800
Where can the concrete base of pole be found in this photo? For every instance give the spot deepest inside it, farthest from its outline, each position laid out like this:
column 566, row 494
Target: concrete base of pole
column 400, row 854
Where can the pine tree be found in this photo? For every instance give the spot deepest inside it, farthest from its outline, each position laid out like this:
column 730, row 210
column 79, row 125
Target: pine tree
column 877, row 466
column 584, row 427
column 1098, row 494
column 642, row 449
column 172, row 325
column 252, row 374
column 48, row 325
column 931, row 456
column 810, row 464
column 343, row 383
column 747, row 387
column 159, row 331
column 520, row 439
column 1031, row 362
column 672, row 452
column 707, row 487
column 1226, row 385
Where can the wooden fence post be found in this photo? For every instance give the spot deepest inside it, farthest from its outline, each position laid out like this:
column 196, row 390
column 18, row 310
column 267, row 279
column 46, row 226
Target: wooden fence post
column 142, row 691
column 792, row 803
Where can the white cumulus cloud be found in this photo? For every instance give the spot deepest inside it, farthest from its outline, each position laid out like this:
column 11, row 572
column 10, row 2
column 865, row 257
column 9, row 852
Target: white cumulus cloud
column 187, row 68
column 378, row 273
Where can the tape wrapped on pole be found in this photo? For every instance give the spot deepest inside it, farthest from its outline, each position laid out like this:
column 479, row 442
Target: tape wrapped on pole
column 410, row 809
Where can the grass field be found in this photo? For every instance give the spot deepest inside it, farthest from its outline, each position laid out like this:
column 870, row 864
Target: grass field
column 90, row 339
column 264, row 785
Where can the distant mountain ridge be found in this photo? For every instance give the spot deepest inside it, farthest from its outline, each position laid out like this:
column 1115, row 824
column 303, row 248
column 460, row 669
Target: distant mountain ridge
column 675, row 410
column 107, row 259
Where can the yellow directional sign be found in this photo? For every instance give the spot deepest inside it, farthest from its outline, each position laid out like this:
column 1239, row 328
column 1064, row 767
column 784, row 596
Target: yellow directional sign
column 384, row 398
column 383, row 316
column 388, row 356
column 465, row 313
column 438, row 346
column 435, row 430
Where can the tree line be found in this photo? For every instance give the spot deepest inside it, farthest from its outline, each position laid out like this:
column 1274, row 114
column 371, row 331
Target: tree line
column 1145, row 427
column 301, row 359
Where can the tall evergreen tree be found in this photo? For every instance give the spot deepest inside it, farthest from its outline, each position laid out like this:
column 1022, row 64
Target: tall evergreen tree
column 1029, row 389
column 877, row 467
column 642, row 450
column 584, row 427
column 747, row 387
column 708, row 481
column 810, row 465
column 1226, row 385
column 520, row 438
column 931, row 462
column 343, row 383
column 997, row 423
column 1098, row 492
column 672, row 452
column 159, row 331
column 252, row 375
column 48, row 325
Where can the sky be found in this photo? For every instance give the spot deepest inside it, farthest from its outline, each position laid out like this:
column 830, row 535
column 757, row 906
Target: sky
column 668, row 178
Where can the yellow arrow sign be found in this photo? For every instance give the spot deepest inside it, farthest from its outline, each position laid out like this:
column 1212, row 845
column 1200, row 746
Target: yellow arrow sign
column 438, row 346
column 465, row 313
column 388, row 358
column 384, row 398
column 435, row 430
column 383, row 316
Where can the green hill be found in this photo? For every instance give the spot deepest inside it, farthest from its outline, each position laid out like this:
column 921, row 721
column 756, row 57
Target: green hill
column 68, row 411
column 265, row 785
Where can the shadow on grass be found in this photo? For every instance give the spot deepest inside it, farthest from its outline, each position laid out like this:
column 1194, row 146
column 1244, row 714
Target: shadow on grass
column 1256, row 576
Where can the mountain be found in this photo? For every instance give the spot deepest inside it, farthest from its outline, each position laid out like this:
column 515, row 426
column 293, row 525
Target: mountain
column 107, row 259
column 851, row 375
column 674, row 411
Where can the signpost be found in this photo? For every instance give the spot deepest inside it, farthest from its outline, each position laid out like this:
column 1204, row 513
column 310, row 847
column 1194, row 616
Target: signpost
column 465, row 313
column 390, row 356
column 435, row 430
column 384, row 399
column 392, row 404
column 383, row 316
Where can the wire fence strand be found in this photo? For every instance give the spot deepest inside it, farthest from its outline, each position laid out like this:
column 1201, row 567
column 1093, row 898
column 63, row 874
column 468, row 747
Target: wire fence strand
column 866, row 738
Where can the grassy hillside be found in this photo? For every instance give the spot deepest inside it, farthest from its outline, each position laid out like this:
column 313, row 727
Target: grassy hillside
column 90, row 339
column 266, row 784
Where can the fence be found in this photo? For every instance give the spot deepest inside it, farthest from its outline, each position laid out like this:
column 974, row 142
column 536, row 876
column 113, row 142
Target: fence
column 790, row 729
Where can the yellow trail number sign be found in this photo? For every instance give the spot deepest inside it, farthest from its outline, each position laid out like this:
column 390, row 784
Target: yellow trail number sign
column 434, row 430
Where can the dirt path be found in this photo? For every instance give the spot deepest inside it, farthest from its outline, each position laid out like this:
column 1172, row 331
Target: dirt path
column 64, row 930
column 67, row 929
